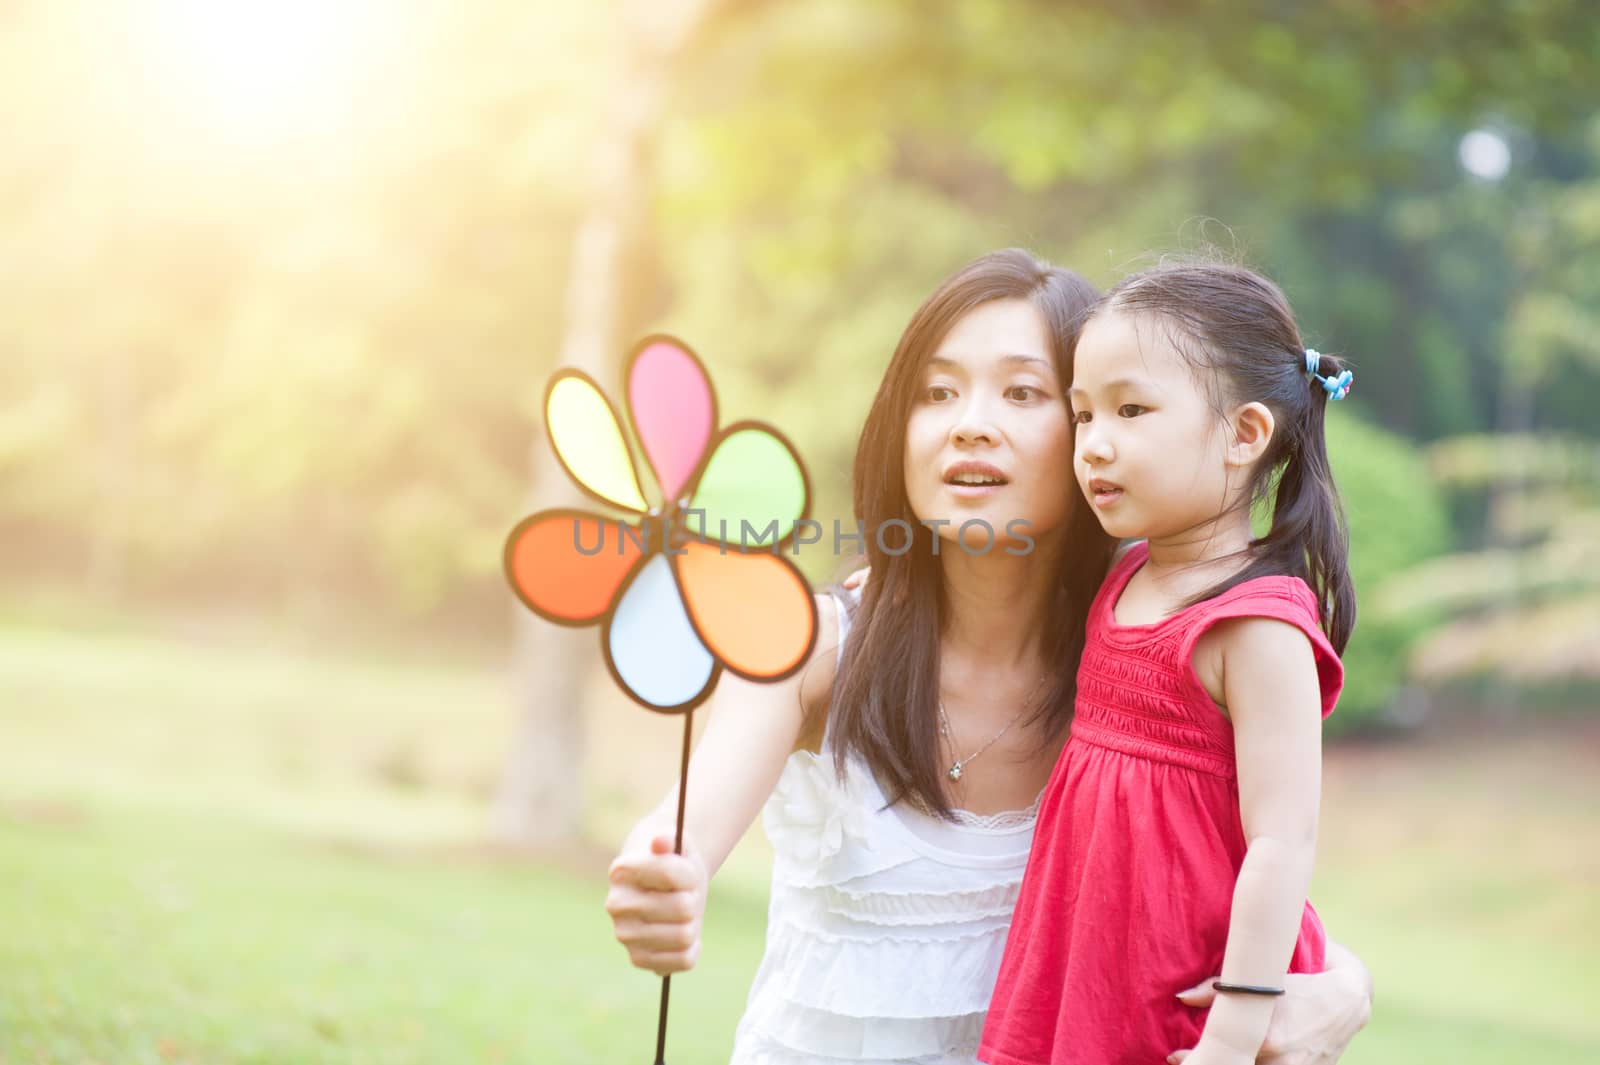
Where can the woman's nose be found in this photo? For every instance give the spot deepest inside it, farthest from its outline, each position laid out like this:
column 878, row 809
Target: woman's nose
column 969, row 432
column 974, row 425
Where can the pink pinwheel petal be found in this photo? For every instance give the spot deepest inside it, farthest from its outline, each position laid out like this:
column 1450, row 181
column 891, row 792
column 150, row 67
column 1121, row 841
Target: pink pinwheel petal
column 673, row 410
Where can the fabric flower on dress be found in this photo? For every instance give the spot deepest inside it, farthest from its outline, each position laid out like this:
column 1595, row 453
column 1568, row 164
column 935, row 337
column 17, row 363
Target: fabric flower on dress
column 812, row 811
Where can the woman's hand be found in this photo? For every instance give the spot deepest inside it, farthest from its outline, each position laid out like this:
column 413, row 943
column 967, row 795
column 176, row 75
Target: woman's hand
column 1314, row 1021
column 656, row 903
column 657, row 898
column 857, row 579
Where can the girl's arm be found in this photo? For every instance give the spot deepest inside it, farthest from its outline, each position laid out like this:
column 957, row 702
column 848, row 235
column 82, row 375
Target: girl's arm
column 1313, row 1023
column 657, row 897
column 1268, row 680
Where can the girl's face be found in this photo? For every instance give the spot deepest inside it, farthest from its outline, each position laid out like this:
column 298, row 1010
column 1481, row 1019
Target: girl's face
column 989, row 437
column 1151, row 455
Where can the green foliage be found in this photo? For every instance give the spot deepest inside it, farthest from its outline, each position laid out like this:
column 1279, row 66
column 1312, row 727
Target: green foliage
column 1397, row 519
column 1525, row 606
column 259, row 371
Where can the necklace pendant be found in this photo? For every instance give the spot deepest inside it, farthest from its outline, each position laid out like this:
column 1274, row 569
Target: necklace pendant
column 955, row 771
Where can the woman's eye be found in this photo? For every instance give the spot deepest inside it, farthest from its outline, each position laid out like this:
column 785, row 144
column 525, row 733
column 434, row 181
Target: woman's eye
column 937, row 394
column 1131, row 410
column 1081, row 417
column 1022, row 393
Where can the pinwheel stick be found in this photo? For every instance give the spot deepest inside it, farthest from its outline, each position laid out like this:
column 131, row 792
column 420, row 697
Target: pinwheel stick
column 677, row 848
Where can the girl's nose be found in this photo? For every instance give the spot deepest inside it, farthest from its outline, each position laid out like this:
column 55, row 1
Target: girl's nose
column 1093, row 445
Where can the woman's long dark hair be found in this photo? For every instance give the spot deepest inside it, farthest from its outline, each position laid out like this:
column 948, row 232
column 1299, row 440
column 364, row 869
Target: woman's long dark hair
column 1236, row 325
column 886, row 692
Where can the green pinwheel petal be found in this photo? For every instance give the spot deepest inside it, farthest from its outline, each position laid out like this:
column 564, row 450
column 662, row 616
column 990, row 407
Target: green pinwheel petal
column 753, row 490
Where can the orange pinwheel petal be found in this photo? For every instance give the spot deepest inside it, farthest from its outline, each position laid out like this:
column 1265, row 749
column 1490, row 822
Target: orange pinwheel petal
column 567, row 565
column 753, row 611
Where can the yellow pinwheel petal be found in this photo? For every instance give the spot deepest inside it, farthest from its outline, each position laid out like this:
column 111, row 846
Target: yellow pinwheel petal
column 588, row 439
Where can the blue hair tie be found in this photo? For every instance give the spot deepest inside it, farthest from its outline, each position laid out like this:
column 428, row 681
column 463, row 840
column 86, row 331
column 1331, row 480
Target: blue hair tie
column 1336, row 387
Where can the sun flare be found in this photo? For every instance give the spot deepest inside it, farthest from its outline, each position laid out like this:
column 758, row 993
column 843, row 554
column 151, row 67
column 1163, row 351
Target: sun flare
column 262, row 71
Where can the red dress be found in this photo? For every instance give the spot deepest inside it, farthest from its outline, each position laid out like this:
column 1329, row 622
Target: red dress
column 1130, row 881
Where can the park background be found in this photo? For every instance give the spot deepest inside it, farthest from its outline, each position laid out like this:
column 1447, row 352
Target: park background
column 285, row 776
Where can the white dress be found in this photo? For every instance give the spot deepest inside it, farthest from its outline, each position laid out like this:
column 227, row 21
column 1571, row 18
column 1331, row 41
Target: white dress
column 885, row 928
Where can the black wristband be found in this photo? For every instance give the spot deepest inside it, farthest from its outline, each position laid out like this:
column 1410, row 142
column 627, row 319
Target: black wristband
column 1246, row 989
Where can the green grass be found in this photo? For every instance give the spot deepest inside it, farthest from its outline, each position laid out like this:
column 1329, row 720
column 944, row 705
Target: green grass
column 1464, row 871
column 210, row 854
column 136, row 937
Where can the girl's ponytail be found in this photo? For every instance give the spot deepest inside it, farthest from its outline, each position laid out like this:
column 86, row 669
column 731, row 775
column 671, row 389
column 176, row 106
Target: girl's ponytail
column 1308, row 536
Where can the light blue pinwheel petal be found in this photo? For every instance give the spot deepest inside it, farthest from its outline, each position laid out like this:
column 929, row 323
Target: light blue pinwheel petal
column 652, row 645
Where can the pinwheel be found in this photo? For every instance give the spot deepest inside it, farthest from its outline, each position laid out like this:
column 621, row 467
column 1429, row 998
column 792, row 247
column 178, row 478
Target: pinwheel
column 685, row 585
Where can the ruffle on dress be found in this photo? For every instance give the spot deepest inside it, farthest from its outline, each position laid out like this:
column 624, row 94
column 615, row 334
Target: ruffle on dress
column 794, row 1035
column 876, row 952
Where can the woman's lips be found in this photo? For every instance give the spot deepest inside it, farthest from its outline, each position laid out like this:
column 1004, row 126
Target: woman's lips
column 973, row 491
column 970, row 469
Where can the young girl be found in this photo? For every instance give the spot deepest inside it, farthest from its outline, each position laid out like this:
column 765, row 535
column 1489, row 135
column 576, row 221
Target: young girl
column 904, row 763
column 1176, row 835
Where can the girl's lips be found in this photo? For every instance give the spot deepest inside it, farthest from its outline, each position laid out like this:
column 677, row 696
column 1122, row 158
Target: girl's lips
column 1104, row 493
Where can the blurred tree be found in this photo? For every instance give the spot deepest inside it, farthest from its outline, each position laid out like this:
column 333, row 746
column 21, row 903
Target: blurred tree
column 541, row 797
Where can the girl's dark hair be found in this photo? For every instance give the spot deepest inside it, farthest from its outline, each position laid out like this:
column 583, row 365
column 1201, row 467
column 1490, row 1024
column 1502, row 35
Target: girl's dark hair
column 1237, row 331
column 886, row 692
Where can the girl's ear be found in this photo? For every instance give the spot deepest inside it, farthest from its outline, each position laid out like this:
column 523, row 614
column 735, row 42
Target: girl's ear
column 1253, row 426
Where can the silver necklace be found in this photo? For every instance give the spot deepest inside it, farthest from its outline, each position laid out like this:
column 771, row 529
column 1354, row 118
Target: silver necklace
column 956, row 767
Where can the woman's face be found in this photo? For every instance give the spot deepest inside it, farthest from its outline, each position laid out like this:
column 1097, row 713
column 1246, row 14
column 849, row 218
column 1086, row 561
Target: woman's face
column 989, row 443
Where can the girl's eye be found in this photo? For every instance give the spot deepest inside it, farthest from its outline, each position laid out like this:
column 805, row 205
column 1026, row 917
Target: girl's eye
column 937, row 394
column 1081, row 417
column 1027, row 392
column 1131, row 410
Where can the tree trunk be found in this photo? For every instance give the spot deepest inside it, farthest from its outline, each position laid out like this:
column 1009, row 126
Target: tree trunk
column 541, row 795
column 117, row 471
